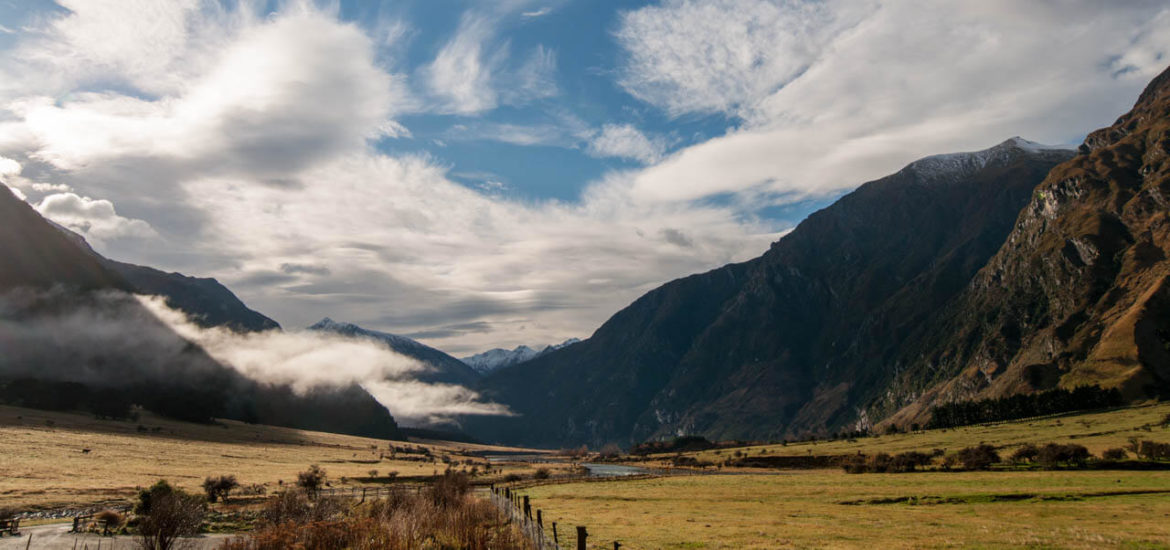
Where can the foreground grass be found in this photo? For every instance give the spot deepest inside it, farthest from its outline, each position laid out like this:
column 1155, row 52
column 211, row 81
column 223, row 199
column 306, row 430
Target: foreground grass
column 44, row 463
column 831, row 509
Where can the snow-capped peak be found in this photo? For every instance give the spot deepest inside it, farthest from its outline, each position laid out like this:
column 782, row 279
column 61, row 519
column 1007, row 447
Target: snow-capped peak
column 952, row 165
column 499, row 358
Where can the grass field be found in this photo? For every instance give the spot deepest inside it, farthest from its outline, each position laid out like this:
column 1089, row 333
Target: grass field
column 43, row 462
column 1096, row 431
column 813, row 509
column 832, row 509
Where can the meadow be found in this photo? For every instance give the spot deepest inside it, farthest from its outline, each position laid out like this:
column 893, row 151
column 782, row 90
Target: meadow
column 828, row 508
column 831, row 509
column 54, row 460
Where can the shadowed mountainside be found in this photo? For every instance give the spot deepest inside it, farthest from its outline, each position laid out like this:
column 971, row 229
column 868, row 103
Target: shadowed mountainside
column 789, row 342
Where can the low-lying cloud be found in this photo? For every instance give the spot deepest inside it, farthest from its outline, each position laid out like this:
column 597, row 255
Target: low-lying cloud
column 111, row 337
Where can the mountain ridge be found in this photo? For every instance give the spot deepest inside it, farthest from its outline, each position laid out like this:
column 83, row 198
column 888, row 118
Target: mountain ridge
column 748, row 350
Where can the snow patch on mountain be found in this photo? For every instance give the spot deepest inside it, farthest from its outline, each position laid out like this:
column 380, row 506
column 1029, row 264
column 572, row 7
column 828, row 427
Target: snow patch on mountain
column 499, row 358
column 951, row 166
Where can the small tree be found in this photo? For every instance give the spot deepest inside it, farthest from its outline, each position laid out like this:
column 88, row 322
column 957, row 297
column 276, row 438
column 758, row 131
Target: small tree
column 979, row 457
column 165, row 514
column 1115, row 454
column 611, row 451
column 217, row 488
column 1027, row 453
column 311, row 480
column 541, row 473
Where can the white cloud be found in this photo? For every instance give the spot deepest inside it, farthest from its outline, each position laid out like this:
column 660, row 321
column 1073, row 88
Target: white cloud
column 537, row 13
column 909, row 80
column 281, row 94
column 461, row 74
column 8, row 168
column 95, row 220
column 626, row 141
column 710, row 56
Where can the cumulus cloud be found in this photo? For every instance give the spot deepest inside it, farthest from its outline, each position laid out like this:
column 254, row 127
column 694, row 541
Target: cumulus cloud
column 626, row 141
column 8, row 168
column 281, row 94
column 95, row 219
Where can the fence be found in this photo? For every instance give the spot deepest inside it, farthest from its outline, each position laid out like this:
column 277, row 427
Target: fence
column 518, row 509
column 371, row 493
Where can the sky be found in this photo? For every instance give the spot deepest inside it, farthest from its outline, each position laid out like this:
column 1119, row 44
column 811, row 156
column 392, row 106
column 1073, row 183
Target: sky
column 478, row 174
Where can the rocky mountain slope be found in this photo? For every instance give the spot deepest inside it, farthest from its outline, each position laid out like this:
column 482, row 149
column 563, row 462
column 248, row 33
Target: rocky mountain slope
column 446, row 369
column 1079, row 292
column 68, row 321
column 499, row 358
column 791, row 342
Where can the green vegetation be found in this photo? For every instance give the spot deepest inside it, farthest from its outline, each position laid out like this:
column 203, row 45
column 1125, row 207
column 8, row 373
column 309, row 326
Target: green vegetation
column 1056, row 401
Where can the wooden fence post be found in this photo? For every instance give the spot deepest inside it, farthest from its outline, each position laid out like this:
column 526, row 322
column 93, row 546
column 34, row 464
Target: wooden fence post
column 527, row 508
column 539, row 520
column 617, row 545
column 582, row 535
column 556, row 540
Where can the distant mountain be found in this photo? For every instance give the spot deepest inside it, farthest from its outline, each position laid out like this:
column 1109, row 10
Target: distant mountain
column 799, row 340
column 447, row 369
column 70, row 327
column 499, row 358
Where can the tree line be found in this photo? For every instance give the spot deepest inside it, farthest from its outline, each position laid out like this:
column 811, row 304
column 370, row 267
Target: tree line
column 1056, row 401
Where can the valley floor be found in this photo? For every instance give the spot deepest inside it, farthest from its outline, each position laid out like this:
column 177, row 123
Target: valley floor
column 831, row 509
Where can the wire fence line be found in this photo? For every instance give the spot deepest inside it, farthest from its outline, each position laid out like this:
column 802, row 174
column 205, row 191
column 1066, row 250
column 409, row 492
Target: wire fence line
column 518, row 510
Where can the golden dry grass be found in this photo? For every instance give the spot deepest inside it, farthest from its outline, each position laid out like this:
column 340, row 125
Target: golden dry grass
column 43, row 463
column 804, row 509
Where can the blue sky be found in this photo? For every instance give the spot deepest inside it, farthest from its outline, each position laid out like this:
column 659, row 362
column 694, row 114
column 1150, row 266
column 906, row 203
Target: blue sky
column 481, row 174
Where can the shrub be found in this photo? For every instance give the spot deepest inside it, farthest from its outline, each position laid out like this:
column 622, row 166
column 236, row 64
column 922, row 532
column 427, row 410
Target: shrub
column 1114, row 454
column 909, row 461
column 1055, row 454
column 1151, row 450
column 450, row 489
column 217, row 488
column 311, row 480
column 611, row 451
column 294, row 506
column 1027, row 453
column 541, row 473
column 165, row 514
column 979, row 457
column 512, row 478
column 110, row 519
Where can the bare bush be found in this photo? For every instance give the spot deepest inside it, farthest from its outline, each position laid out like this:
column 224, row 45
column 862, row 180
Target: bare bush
column 166, row 514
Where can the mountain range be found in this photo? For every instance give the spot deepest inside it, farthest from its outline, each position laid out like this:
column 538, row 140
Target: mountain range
column 499, row 358
column 1013, row 269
